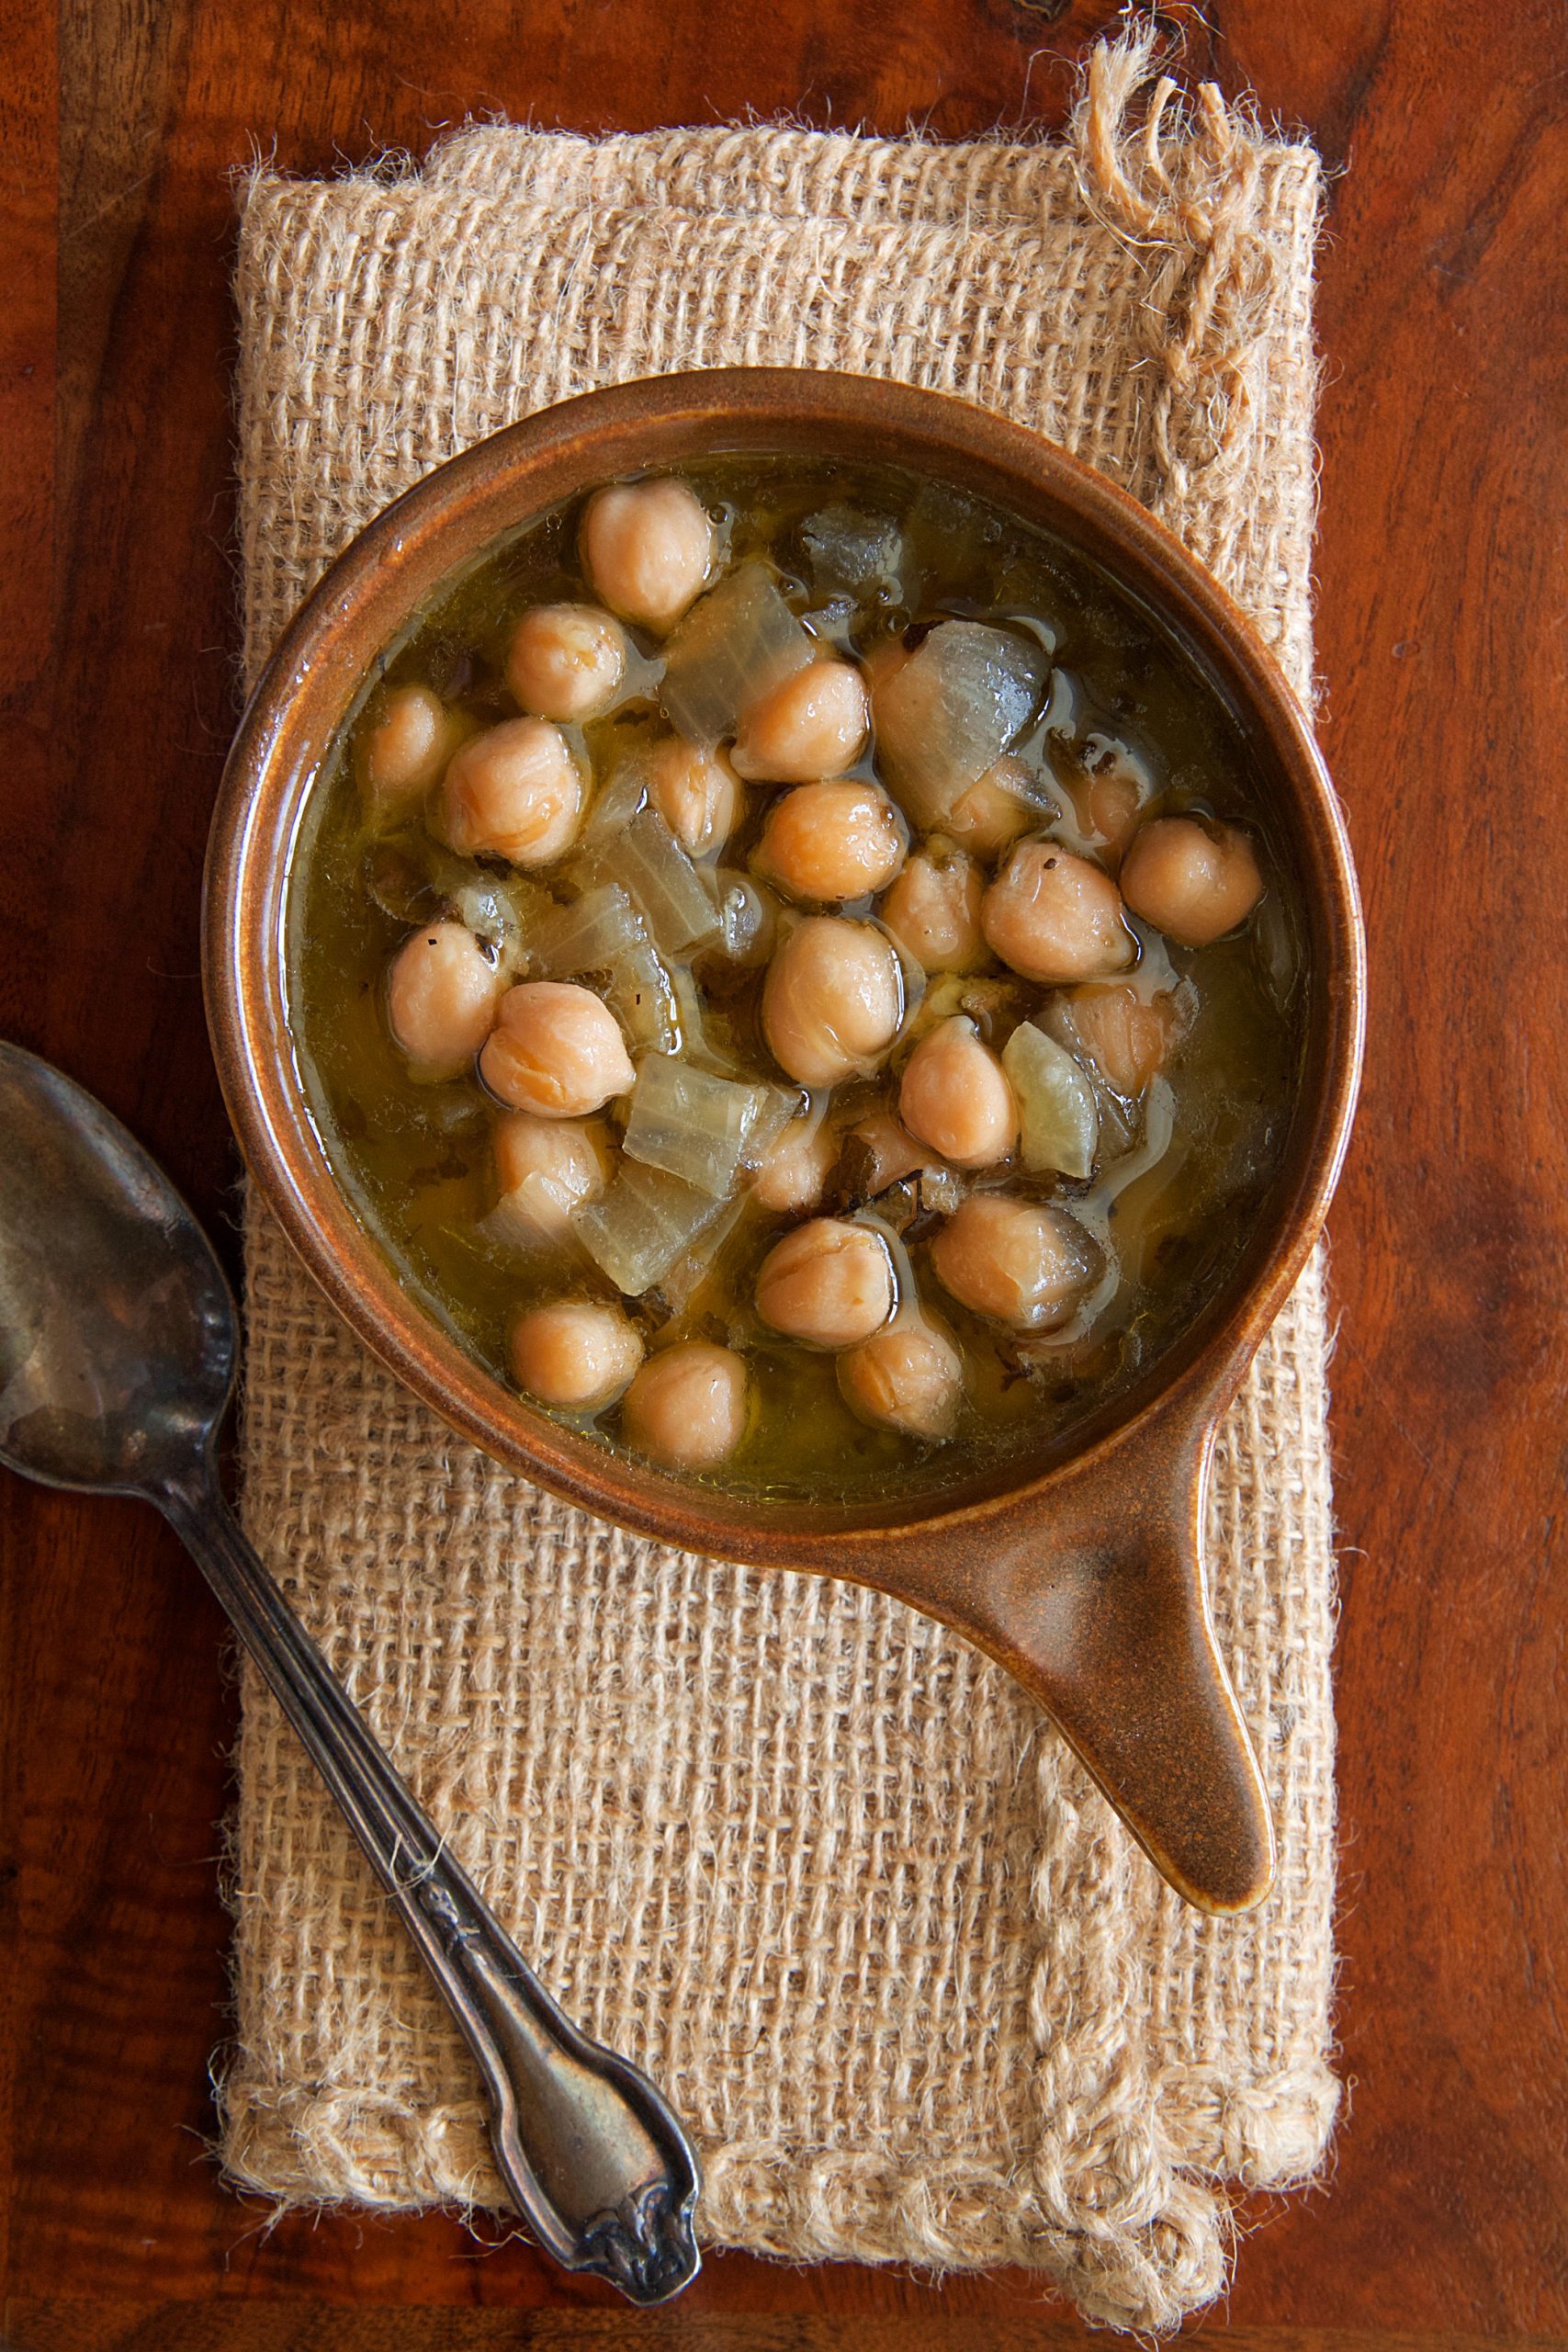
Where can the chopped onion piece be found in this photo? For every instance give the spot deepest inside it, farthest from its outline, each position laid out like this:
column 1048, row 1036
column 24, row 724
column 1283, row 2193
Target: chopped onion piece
column 950, row 711
column 481, row 907
column 697, row 1047
column 409, row 879
column 734, row 646
column 603, row 932
column 689, row 1123
column 590, row 936
column 648, row 863
column 916, row 1205
column 529, row 901
column 745, row 917
column 509, row 915
column 642, row 996
column 702, row 1266
column 774, row 1107
column 444, row 870
column 850, row 546
column 505, row 916
column 617, row 803
column 1280, row 952
column 1059, row 1123
column 531, row 1216
column 643, row 1225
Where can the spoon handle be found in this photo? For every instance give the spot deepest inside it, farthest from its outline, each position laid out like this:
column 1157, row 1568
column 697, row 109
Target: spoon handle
column 592, row 2157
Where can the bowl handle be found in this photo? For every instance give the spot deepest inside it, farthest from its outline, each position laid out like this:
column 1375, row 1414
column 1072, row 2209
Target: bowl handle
column 1099, row 1610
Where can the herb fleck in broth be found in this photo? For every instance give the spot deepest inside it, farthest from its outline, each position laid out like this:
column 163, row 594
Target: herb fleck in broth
column 1118, row 719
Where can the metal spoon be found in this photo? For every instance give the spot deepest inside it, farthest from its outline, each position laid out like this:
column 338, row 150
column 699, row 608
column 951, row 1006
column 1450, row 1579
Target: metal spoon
column 118, row 1350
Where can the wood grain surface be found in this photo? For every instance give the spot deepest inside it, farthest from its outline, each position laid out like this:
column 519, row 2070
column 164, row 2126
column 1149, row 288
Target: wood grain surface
column 1444, row 319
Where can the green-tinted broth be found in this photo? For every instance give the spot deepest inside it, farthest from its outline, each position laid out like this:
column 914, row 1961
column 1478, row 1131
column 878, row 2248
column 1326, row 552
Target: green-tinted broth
column 413, row 1157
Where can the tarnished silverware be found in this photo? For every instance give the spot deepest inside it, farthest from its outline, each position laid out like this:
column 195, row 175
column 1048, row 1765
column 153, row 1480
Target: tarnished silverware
column 119, row 1345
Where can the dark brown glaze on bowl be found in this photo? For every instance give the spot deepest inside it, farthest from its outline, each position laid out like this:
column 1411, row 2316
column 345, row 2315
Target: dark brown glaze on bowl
column 1079, row 1571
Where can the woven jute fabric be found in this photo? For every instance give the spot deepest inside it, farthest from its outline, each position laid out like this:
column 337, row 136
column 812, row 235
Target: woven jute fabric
column 805, row 1856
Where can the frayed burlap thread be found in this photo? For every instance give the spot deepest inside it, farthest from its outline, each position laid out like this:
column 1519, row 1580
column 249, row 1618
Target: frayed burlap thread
column 803, row 1855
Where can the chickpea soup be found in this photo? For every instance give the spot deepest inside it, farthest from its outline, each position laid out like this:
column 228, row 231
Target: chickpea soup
column 791, row 966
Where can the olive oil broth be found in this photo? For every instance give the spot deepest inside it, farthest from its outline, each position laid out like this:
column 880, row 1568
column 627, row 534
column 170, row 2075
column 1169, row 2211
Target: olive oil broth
column 1174, row 1207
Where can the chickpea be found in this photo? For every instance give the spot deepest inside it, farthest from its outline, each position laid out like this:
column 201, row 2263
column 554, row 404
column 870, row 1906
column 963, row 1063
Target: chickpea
column 1192, row 879
column 1055, row 917
column 812, row 725
column 575, row 1354
column 696, row 792
column 832, row 1000
column 409, row 745
column 648, row 548
column 994, row 809
column 566, row 662
column 933, row 908
column 556, row 1051
column 955, row 1096
column 832, row 841
column 1109, row 803
column 514, row 792
column 827, row 1283
column 907, row 1378
column 1022, row 1265
column 688, row 1405
column 442, row 997
column 795, row 1174
column 1125, row 1038
column 545, row 1168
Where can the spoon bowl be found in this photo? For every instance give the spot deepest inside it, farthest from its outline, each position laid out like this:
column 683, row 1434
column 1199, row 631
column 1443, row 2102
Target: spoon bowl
column 118, row 1339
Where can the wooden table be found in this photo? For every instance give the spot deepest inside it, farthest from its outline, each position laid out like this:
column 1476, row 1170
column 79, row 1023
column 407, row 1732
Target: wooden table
column 1444, row 317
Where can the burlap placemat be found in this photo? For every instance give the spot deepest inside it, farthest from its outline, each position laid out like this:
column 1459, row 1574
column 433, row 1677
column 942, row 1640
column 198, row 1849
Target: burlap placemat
column 804, row 1855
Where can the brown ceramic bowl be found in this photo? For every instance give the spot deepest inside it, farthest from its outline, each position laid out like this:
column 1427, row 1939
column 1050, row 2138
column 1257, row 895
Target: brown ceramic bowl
column 1079, row 1570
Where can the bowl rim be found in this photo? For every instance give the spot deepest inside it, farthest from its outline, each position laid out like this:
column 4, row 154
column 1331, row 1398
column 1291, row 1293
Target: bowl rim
column 388, row 571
